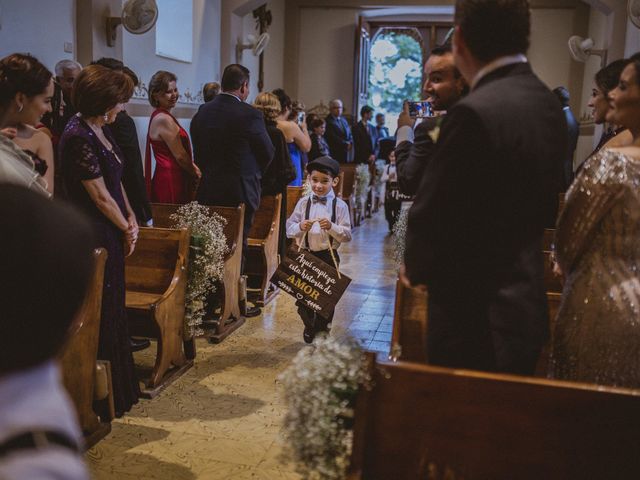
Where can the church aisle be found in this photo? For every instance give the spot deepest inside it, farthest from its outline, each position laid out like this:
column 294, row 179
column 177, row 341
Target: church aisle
column 221, row 420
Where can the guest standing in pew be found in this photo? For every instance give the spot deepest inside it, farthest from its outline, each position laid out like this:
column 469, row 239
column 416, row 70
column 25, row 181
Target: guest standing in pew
column 176, row 176
column 444, row 86
column 319, row 147
column 363, row 140
column 46, row 258
column 31, row 86
column 597, row 336
column 233, row 149
column 280, row 171
column 475, row 228
column 380, row 131
column 125, row 134
column 320, row 222
column 573, row 130
column 93, row 166
column 338, row 135
column 606, row 79
column 295, row 134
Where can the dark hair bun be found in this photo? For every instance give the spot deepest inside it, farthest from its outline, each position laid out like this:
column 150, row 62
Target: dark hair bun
column 22, row 73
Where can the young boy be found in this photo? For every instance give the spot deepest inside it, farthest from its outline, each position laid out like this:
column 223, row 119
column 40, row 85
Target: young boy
column 320, row 218
column 392, row 200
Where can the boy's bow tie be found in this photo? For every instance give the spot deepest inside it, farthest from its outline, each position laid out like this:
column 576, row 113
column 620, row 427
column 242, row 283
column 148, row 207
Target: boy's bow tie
column 316, row 199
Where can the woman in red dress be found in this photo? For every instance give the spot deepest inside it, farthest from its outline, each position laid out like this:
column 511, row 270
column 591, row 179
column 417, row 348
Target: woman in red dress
column 175, row 176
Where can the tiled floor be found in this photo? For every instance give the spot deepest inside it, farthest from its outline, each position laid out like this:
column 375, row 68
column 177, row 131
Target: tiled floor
column 221, row 420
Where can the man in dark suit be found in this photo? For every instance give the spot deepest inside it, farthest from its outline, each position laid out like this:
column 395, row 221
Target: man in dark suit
column 381, row 131
column 363, row 137
column 444, row 85
column 338, row 134
column 475, row 229
column 231, row 147
column 572, row 139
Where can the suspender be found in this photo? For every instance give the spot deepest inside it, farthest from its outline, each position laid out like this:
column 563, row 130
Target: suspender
column 308, row 211
column 37, row 440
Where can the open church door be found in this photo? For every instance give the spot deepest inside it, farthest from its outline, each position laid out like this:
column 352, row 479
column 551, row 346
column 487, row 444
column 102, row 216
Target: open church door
column 361, row 68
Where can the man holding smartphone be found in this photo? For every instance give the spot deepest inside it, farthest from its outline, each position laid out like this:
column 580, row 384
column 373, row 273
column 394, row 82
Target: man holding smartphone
column 443, row 87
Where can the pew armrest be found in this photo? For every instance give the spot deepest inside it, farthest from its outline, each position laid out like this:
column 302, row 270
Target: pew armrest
column 178, row 273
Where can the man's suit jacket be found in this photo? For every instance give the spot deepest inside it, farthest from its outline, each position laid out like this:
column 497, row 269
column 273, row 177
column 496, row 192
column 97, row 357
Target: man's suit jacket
column 338, row 137
column 572, row 140
column 232, row 148
column 412, row 158
column 475, row 229
column 126, row 136
column 363, row 142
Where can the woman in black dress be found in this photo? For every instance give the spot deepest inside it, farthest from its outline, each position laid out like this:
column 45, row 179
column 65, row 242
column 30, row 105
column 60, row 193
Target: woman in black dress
column 281, row 170
column 92, row 169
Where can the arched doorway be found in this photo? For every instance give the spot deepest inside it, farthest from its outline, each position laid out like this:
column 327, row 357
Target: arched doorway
column 386, row 50
column 395, row 71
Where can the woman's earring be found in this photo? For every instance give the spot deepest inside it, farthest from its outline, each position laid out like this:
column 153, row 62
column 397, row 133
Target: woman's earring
column 105, row 117
column 20, row 108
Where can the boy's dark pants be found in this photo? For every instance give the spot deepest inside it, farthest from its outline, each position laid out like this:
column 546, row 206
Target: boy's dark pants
column 308, row 315
column 392, row 207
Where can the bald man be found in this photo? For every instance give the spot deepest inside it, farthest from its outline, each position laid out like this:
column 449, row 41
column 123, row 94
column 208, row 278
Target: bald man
column 338, row 134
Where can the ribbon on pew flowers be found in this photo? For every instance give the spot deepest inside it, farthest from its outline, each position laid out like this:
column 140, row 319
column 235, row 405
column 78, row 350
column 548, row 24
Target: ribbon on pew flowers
column 206, row 260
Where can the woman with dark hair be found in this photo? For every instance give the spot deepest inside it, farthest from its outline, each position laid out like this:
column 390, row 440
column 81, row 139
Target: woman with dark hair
column 319, row 146
column 176, row 176
column 605, row 80
column 92, row 168
column 280, row 171
column 597, row 337
column 295, row 134
column 31, row 86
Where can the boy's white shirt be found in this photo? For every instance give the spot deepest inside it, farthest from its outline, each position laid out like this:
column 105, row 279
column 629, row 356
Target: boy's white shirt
column 389, row 174
column 319, row 239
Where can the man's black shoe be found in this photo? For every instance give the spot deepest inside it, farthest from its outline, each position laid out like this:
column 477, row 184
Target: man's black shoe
column 308, row 335
column 252, row 312
column 138, row 344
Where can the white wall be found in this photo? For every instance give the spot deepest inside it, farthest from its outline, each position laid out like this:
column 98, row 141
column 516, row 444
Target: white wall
column 549, row 55
column 326, row 55
column 37, row 27
column 238, row 23
column 139, row 51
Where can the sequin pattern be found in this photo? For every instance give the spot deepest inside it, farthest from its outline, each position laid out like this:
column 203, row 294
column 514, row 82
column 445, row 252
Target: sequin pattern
column 597, row 336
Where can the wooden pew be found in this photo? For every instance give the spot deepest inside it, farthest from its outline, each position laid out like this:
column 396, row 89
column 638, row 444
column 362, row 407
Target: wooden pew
column 409, row 336
column 348, row 191
column 156, row 280
column 293, row 195
column 262, row 251
column 423, row 422
column 230, row 318
column 78, row 359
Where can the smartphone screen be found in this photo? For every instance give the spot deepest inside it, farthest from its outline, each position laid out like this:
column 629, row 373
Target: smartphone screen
column 420, row 109
column 300, row 118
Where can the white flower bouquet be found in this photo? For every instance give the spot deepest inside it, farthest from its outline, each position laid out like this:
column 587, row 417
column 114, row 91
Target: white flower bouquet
column 320, row 388
column 206, row 263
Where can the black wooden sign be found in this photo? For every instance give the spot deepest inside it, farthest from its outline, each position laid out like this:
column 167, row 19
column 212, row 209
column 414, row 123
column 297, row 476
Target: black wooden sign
column 311, row 281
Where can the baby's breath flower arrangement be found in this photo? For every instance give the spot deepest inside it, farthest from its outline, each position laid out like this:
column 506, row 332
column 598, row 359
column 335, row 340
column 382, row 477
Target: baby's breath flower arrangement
column 320, row 388
column 400, row 236
column 206, row 263
column 377, row 181
column 306, row 188
column 363, row 179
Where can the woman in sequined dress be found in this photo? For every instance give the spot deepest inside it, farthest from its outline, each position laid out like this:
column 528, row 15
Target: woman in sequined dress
column 597, row 335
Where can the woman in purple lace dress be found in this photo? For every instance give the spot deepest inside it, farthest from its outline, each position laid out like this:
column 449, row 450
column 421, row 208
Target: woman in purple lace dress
column 92, row 170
